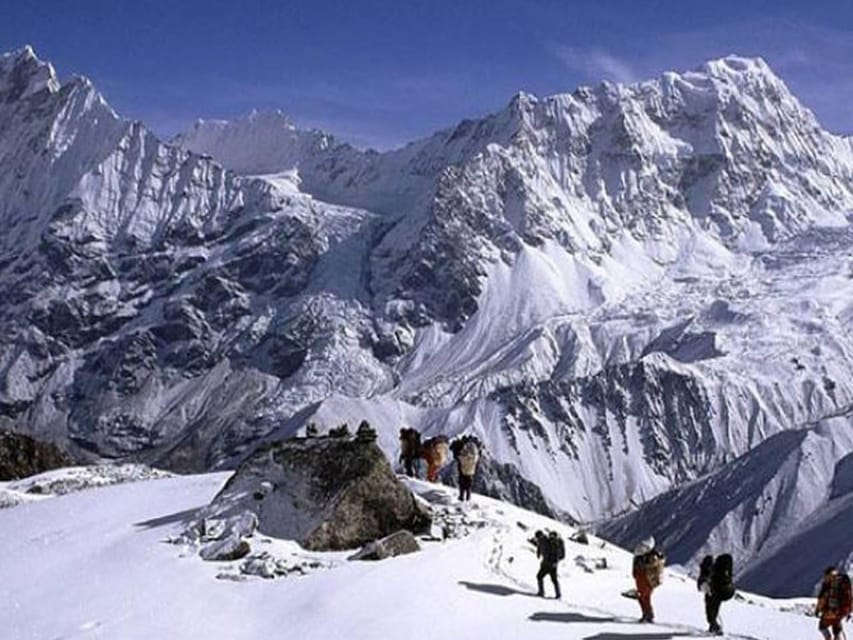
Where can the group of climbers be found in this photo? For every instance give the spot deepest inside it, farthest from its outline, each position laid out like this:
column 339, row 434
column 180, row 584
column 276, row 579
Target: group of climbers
column 715, row 580
column 435, row 452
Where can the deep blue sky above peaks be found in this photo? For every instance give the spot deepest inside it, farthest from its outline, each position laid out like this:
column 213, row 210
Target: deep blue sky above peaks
column 381, row 73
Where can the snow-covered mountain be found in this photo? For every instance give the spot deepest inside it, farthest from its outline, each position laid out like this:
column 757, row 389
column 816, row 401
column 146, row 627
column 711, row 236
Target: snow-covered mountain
column 620, row 290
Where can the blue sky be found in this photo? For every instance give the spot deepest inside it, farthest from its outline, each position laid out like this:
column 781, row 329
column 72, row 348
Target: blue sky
column 382, row 73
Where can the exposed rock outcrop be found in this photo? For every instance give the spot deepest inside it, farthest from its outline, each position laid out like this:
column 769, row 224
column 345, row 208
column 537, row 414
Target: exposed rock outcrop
column 325, row 493
column 22, row 456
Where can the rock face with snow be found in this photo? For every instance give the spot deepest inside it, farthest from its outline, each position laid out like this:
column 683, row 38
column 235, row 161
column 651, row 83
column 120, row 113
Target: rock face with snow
column 22, row 456
column 327, row 493
column 618, row 290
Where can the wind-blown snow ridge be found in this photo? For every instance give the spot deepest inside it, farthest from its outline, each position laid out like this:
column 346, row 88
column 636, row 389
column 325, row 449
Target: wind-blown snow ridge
column 620, row 289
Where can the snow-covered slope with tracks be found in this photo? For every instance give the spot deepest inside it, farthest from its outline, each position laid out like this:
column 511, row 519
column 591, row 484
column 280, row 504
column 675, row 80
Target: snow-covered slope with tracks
column 480, row 583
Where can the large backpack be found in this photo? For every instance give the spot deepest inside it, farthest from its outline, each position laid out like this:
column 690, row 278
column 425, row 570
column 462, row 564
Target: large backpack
column 846, row 594
column 838, row 597
column 722, row 584
column 653, row 564
column 553, row 548
column 468, row 458
column 559, row 546
column 705, row 573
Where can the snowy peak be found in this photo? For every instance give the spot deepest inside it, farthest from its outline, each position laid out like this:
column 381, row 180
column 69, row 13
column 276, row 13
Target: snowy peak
column 726, row 145
column 72, row 170
column 22, row 74
column 262, row 142
column 740, row 68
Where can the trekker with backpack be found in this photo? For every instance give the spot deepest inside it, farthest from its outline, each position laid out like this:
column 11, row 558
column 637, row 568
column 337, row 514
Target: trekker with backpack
column 833, row 603
column 648, row 574
column 467, row 453
column 550, row 549
column 410, row 450
column 715, row 581
column 435, row 451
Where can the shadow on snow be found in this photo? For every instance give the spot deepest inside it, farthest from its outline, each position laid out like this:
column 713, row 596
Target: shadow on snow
column 180, row 516
column 554, row 616
column 495, row 589
column 635, row 636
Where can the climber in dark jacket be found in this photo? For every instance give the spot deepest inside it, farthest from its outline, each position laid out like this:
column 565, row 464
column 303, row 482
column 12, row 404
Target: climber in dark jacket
column 834, row 603
column 410, row 450
column 715, row 581
column 550, row 549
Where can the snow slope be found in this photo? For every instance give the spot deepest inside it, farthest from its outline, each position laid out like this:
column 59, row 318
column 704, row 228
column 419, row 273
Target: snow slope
column 138, row 586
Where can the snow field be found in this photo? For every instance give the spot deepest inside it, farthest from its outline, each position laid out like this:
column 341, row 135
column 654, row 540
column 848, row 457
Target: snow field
column 94, row 564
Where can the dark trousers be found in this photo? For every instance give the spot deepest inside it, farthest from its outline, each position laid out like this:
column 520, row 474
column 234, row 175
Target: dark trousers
column 465, row 483
column 409, row 464
column 712, row 610
column 547, row 569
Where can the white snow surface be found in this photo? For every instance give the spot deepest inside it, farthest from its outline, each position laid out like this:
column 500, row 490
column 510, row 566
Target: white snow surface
column 97, row 564
column 62, row 481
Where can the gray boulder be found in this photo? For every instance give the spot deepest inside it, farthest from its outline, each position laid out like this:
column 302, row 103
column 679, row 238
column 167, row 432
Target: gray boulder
column 227, row 549
column 325, row 493
column 222, row 538
column 397, row 544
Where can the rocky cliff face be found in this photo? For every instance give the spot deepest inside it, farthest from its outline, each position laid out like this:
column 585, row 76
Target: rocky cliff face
column 618, row 290
column 22, row 456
